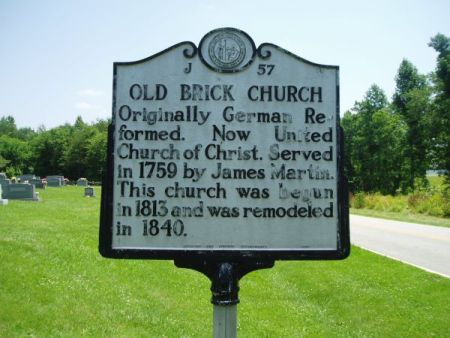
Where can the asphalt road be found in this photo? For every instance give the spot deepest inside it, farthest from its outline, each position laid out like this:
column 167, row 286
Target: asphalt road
column 424, row 246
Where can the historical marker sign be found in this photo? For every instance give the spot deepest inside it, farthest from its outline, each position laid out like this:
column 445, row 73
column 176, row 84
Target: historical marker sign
column 225, row 149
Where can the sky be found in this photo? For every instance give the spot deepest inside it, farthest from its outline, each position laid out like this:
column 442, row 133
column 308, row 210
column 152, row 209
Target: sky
column 56, row 57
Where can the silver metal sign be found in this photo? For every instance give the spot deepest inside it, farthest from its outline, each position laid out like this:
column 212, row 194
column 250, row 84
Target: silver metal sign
column 225, row 149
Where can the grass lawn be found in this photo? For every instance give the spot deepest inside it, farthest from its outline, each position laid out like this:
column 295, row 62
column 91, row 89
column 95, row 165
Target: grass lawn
column 53, row 282
column 403, row 216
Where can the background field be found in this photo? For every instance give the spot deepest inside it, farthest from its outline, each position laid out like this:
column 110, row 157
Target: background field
column 53, row 282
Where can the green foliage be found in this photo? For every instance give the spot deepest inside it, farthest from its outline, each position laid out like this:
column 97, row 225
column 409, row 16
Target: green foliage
column 74, row 151
column 15, row 150
column 49, row 147
column 54, row 283
column 439, row 122
column 374, row 100
column 3, row 162
column 96, row 155
column 8, row 126
column 441, row 44
column 388, row 147
column 358, row 200
column 425, row 199
column 374, row 139
column 412, row 100
column 17, row 153
column 407, row 79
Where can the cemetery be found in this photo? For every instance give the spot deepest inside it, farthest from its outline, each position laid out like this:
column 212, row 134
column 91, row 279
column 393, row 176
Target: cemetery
column 24, row 186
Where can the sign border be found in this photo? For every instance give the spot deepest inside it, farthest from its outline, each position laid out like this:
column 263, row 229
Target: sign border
column 107, row 209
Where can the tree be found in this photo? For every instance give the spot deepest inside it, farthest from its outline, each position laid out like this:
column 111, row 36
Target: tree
column 96, row 155
column 3, row 163
column 407, row 79
column 17, row 153
column 25, row 134
column 440, row 117
column 85, row 155
column 48, row 150
column 389, row 137
column 441, row 44
column 349, row 125
column 75, row 154
column 374, row 137
column 8, row 126
column 364, row 147
column 411, row 100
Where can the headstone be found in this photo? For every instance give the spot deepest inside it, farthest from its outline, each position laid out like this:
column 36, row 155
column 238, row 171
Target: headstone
column 20, row 191
column 5, row 182
column 89, row 192
column 2, row 201
column 27, row 177
column 55, row 181
column 82, row 182
column 38, row 183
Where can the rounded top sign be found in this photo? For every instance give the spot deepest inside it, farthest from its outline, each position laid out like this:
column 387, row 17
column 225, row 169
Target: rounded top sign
column 227, row 50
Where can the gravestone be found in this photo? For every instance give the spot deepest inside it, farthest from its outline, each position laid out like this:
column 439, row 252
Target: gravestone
column 82, row 182
column 89, row 192
column 5, row 182
column 38, row 183
column 55, row 181
column 20, row 191
column 27, row 177
column 2, row 201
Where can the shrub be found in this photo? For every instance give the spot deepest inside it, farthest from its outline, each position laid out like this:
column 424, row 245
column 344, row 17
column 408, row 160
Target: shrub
column 357, row 201
column 434, row 203
column 432, row 199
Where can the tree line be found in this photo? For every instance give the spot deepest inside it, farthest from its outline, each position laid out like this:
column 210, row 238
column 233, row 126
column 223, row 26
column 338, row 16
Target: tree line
column 75, row 151
column 389, row 144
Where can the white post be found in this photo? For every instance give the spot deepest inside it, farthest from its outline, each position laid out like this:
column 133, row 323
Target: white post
column 225, row 321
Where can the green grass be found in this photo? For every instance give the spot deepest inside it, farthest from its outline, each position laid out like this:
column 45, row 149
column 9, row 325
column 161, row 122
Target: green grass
column 436, row 181
column 53, row 283
column 403, row 216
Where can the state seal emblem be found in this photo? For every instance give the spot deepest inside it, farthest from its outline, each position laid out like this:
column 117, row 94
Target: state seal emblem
column 227, row 50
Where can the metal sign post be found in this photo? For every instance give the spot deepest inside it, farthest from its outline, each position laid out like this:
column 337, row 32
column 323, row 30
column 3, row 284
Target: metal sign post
column 225, row 321
column 225, row 278
column 225, row 157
